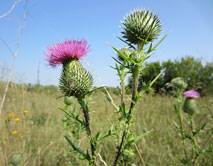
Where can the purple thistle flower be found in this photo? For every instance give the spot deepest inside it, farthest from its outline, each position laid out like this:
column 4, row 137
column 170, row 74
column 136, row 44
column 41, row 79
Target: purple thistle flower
column 67, row 50
column 191, row 94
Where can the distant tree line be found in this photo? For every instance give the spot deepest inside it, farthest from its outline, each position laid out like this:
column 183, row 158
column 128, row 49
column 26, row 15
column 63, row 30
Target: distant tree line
column 198, row 76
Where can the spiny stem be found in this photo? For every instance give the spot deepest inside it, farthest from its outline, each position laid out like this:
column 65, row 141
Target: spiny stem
column 119, row 149
column 194, row 141
column 89, row 133
column 134, row 92
column 122, row 91
column 182, row 134
column 122, row 78
column 180, row 117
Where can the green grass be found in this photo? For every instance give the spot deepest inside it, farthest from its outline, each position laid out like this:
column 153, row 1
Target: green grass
column 41, row 132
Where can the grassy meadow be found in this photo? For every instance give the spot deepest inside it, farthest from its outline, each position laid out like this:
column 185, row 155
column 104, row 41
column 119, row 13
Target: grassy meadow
column 39, row 133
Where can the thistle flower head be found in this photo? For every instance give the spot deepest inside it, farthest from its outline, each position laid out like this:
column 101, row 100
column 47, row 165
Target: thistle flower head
column 66, row 51
column 141, row 26
column 190, row 105
column 191, row 94
column 75, row 80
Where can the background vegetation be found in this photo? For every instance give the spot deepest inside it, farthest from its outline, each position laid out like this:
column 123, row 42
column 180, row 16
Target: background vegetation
column 198, row 76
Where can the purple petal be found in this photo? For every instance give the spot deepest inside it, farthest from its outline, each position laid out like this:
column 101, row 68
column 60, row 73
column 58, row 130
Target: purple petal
column 191, row 94
column 69, row 49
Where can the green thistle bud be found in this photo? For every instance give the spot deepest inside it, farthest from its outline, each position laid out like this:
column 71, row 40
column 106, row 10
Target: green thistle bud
column 125, row 51
column 179, row 83
column 15, row 158
column 75, row 80
column 141, row 26
column 190, row 106
column 68, row 100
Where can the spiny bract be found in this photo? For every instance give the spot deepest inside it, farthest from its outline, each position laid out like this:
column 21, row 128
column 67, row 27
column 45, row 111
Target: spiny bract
column 75, row 80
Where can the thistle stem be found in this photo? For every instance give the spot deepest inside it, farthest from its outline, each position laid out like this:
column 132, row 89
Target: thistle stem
column 89, row 133
column 136, row 72
column 122, row 78
column 122, row 91
column 180, row 117
column 194, row 141
column 182, row 135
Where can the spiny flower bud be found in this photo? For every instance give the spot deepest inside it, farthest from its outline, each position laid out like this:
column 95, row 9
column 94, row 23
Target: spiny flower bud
column 125, row 51
column 141, row 25
column 75, row 80
column 190, row 105
column 179, row 83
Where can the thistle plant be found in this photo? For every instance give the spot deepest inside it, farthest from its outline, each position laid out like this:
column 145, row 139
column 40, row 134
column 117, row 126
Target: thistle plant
column 75, row 81
column 140, row 29
column 186, row 127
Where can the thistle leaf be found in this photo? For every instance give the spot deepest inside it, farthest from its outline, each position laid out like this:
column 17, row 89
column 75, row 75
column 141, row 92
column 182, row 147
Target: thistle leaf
column 113, row 104
column 86, row 156
column 160, row 41
column 73, row 116
column 136, row 139
column 122, row 55
column 117, row 61
column 176, row 125
column 130, row 45
column 155, row 79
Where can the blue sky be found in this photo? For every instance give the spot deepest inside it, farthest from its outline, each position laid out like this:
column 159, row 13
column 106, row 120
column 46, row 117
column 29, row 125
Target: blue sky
column 188, row 22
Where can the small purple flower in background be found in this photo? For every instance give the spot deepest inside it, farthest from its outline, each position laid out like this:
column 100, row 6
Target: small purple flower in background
column 67, row 50
column 191, row 94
